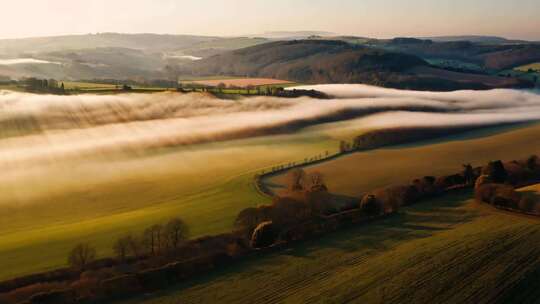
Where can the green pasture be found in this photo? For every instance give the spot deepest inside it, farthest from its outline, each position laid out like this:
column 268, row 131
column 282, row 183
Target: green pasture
column 447, row 250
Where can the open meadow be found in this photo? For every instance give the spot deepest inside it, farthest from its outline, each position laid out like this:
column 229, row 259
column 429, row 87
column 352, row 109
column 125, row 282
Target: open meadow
column 445, row 250
column 93, row 168
column 532, row 66
column 357, row 173
column 241, row 82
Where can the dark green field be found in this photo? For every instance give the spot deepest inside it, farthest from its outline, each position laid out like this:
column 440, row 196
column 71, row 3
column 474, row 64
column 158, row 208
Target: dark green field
column 447, row 250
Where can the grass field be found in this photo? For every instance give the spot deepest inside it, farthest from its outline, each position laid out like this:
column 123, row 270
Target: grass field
column 90, row 87
column 527, row 67
column 207, row 185
column 354, row 174
column 100, row 198
column 448, row 250
column 74, row 85
column 242, row 82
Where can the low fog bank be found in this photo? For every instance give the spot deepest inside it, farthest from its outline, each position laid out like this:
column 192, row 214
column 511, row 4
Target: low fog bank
column 46, row 127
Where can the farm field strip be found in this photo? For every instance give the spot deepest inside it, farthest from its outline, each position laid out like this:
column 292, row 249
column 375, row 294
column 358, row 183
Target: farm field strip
column 357, row 173
column 241, row 82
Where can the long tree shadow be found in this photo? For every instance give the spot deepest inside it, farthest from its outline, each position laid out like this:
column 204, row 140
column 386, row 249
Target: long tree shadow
column 414, row 222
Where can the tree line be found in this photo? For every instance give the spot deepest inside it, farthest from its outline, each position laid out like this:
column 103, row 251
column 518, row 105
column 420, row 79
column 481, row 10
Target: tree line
column 156, row 240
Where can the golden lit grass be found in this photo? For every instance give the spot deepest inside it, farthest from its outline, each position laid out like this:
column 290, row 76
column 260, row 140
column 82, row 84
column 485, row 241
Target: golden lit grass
column 447, row 250
column 533, row 66
column 100, row 198
column 357, row 173
column 242, row 82
column 76, row 85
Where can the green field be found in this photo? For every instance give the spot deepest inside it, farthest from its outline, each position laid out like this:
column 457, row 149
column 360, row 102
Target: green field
column 74, row 85
column 98, row 198
column 449, row 250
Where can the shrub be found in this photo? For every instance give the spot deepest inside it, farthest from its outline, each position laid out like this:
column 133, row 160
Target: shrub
column 482, row 180
column 25, row 293
column 527, row 204
column 248, row 219
column 264, row 235
column 370, row 206
column 425, row 186
column 81, row 256
column 392, row 198
column 320, row 202
column 496, row 171
column 506, row 196
column 498, row 195
column 287, row 211
column 468, row 174
column 445, row 182
column 532, row 162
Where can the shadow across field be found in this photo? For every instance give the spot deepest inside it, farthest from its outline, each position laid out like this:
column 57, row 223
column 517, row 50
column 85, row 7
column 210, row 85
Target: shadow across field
column 420, row 221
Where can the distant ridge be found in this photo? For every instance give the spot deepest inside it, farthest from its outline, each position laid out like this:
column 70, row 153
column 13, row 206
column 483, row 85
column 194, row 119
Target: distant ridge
column 293, row 34
column 474, row 39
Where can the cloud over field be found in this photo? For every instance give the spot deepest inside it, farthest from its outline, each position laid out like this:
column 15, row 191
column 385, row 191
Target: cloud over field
column 52, row 127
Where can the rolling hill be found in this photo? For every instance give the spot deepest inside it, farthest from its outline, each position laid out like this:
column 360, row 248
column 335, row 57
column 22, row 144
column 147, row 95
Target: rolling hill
column 146, row 42
column 111, row 55
column 331, row 61
column 319, row 59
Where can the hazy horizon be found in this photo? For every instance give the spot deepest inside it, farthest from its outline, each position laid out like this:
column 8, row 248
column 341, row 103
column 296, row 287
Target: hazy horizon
column 368, row 18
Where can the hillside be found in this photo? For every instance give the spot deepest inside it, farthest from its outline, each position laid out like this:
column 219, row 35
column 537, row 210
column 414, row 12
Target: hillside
column 475, row 39
column 389, row 63
column 111, row 55
column 489, row 56
column 329, row 61
column 447, row 250
column 146, row 42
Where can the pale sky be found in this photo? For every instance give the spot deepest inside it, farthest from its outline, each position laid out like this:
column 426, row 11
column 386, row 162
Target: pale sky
column 371, row 18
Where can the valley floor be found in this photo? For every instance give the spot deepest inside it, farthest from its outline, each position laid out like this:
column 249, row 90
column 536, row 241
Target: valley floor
column 207, row 186
column 448, row 250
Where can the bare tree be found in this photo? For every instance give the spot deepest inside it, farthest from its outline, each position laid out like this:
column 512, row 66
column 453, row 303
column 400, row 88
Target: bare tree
column 176, row 232
column 468, row 174
column 134, row 245
column 315, row 181
column 153, row 238
column 81, row 255
column 296, row 179
column 122, row 246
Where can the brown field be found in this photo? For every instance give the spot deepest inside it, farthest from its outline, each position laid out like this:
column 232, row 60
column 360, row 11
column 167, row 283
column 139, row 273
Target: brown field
column 242, row 82
column 355, row 174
